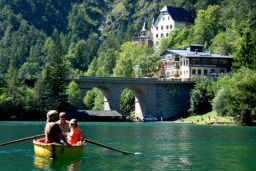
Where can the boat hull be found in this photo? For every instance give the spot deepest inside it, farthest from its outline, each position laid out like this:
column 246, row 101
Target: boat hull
column 58, row 150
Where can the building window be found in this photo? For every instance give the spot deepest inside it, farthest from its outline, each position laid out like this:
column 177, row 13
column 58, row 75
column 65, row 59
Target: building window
column 167, row 27
column 170, row 26
column 205, row 72
column 156, row 27
column 214, row 61
column 196, row 61
column 193, row 71
column 163, row 18
column 223, row 62
column 156, row 35
column 166, row 34
column 162, row 34
column 186, row 62
column 162, row 27
column 222, row 71
column 212, row 70
column 168, row 17
column 199, row 72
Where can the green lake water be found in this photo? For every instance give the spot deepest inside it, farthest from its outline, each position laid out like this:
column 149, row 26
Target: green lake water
column 158, row 146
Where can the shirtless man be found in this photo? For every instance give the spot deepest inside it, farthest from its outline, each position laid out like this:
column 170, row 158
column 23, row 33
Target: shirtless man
column 53, row 133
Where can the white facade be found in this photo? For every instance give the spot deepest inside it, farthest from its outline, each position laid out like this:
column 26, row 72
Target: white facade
column 163, row 25
column 161, row 28
column 185, row 64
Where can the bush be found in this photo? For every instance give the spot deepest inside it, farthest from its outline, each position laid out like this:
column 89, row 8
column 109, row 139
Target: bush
column 201, row 96
column 237, row 98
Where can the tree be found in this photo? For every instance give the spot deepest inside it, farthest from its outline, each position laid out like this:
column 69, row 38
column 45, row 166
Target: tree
column 12, row 93
column 99, row 99
column 82, row 53
column 106, row 63
column 201, row 96
column 73, row 94
column 237, row 97
column 246, row 55
column 178, row 38
column 92, row 68
column 227, row 42
column 131, row 54
column 89, row 99
column 52, row 84
column 127, row 103
column 207, row 25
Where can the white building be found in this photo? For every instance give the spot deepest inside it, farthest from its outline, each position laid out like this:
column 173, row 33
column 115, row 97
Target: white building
column 192, row 62
column 168, row 19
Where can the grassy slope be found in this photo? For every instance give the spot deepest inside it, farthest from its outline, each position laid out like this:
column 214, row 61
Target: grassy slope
column 209, row 118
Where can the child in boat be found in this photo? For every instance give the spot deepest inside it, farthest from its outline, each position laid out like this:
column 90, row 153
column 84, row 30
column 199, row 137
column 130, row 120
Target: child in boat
column 75, row 136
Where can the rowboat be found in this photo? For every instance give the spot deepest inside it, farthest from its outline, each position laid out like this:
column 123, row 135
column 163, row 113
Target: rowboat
column 55, row 151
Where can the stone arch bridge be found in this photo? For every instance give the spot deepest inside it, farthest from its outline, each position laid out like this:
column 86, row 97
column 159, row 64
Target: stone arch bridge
column 162, row 99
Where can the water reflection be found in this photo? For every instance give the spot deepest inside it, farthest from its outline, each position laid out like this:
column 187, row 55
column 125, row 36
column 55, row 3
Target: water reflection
column 57, row 164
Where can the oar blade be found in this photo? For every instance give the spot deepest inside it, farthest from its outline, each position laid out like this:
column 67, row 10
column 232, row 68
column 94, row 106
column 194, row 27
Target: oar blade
column 111, row 148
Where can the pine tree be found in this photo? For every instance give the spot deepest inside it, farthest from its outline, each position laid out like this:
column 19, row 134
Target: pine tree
column 52, row 84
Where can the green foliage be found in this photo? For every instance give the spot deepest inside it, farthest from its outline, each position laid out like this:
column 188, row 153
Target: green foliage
column 52, row 84
column 29, row 73
column 93, row 41
column 178, row 38
column 201, row 96
column 227, row 42
column 81, row 20
column 13, row 91
column 127, row 103
column 237, row 97
column 73, row 93
column 106, row 63
column 131, row 54
column 92, row 68
column 99, row 100
column 246, row 55
column 94, row 100
column 207, row 25
column 82, row 53
column 89, row 99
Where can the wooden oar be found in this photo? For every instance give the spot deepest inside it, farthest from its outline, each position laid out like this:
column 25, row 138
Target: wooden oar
column 111, row 148
column 22, row 139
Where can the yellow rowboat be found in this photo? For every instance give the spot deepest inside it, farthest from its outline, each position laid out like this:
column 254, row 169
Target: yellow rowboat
column 53, row 150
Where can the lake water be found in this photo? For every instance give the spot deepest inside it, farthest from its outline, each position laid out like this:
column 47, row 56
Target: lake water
column 159, row 146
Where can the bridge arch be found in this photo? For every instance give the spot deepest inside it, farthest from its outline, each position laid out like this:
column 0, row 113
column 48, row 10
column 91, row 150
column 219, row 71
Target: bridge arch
column 139, row 101
column 153, row 97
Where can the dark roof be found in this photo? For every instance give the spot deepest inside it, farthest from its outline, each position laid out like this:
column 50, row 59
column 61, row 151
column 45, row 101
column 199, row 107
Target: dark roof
column 106, row 113
column 177, row 13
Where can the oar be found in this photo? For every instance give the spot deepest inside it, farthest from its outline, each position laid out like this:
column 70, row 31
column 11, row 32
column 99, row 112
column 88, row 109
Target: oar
column 111, row 148
column 22, row 139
